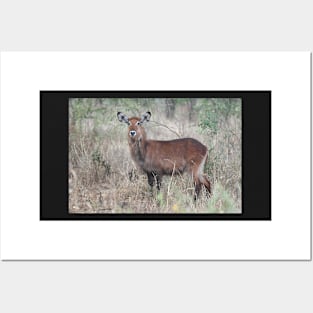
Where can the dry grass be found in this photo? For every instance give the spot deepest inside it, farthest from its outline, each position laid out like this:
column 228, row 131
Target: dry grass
column 103, row 178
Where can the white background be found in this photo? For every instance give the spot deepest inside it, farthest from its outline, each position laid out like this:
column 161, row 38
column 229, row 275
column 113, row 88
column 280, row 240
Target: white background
column 141, row 286
column 287, row 75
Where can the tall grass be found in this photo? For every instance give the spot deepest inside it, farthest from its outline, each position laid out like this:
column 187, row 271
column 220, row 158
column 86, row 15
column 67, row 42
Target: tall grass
column 104, row 179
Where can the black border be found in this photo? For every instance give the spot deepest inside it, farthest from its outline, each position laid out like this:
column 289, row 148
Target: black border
column 256, row 154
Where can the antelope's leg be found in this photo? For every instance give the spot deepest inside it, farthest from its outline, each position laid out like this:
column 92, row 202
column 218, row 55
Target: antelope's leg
column 158, row 181
column 150, row 180
column 197, row 188
column 205, row 181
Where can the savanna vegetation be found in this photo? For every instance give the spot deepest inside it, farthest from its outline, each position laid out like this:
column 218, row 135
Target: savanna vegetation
column 104, row 179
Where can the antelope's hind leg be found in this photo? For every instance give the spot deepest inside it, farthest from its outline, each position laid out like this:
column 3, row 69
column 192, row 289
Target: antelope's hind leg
column 205, row 181
column 197, row 189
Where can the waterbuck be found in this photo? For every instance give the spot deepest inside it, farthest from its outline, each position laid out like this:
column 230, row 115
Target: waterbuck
column 157, row 158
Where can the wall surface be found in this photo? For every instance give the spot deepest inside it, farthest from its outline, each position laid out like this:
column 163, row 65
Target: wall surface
column 150, row 286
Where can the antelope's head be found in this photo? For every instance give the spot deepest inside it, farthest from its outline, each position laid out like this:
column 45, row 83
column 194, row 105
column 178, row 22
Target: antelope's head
column 135, row 130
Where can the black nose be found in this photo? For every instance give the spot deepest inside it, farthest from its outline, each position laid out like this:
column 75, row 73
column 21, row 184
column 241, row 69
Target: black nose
column 132, row 133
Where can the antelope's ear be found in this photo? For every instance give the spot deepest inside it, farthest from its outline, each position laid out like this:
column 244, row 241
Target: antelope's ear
column 122, row 117
column 145, row 117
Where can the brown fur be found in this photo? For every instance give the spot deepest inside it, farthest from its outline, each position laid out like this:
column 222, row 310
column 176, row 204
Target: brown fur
column 157, row 158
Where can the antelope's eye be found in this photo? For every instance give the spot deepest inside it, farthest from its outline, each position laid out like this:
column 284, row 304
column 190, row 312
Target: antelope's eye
column 138, row 123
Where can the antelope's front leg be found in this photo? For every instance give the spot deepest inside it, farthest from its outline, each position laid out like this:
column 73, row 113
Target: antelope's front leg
column 158, row 182
column 150, row 180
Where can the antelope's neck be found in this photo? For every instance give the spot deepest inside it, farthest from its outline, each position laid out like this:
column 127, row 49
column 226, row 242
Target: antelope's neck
column 138, row 151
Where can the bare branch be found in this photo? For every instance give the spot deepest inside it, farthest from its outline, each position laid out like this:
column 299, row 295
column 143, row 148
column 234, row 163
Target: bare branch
column 170, row 129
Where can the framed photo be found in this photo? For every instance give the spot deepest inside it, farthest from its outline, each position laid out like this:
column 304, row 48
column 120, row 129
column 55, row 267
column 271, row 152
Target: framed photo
column 190, row 168
column 220, row 170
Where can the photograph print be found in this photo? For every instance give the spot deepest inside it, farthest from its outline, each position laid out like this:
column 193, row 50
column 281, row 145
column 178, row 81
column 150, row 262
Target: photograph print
column 155, row 155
